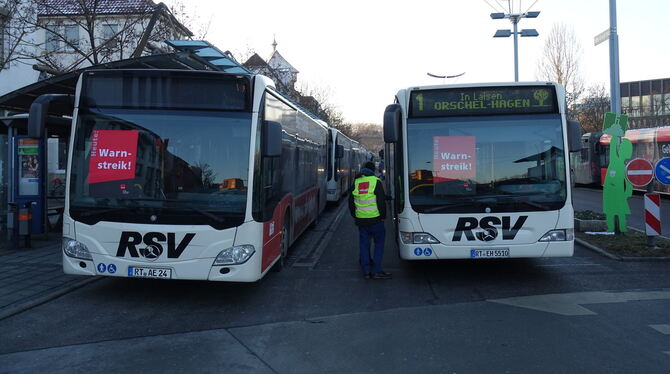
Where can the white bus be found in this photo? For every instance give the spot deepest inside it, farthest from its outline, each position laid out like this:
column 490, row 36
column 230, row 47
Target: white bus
column 187, row 175
column 345, row 157
column 480, row 171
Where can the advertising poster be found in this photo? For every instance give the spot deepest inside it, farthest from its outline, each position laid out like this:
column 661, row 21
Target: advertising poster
column 113, row 155
column 29, row 166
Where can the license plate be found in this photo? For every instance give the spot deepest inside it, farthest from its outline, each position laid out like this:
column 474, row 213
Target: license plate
column 489, row 253
column 142, row 272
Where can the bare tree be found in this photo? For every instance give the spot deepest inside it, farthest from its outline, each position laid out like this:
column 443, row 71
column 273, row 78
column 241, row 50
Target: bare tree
column 370, row 135
column 591, row 111
column 560, row 61
column 320, row 105
column 14, row 33
column 65, row 35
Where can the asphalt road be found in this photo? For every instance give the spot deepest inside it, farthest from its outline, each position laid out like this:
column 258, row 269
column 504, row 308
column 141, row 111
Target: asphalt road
column 584, row 314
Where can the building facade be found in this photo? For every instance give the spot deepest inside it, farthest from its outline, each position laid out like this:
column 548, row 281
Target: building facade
column 647, row 103
column 42, row 38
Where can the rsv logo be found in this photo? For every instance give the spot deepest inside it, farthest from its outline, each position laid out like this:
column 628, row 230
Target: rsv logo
column 489, row 231
column 152, row 244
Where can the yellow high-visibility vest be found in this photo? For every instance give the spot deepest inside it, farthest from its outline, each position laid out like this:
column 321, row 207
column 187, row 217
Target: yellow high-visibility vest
column 364, row 197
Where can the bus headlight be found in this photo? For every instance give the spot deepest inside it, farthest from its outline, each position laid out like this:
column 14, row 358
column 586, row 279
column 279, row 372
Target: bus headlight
column 73, row 248
column 418, row 238
column 558, row 235
column 234, row 255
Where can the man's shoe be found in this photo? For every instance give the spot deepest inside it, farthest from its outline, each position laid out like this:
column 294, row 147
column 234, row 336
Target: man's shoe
column 382, row 275
column 367, row 276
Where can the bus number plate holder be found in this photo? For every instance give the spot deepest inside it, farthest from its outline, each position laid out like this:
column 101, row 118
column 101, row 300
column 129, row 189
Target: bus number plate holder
column 144, row 272
column 489, row 253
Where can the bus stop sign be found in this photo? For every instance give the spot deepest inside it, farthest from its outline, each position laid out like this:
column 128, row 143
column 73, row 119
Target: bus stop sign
column 639, row 172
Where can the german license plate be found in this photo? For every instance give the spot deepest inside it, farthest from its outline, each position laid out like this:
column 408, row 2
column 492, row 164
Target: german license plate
column 489, row 253
column 142, row 272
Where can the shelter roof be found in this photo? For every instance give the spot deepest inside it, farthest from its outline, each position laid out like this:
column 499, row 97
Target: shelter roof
column 190, row 55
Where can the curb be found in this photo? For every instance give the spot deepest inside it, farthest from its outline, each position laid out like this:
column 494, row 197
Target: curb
column 16, row 309
column 597, row 249
column 612, row 256
column 312, row 258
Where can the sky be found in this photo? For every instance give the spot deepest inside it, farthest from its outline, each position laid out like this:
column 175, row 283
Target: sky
column 361, row 52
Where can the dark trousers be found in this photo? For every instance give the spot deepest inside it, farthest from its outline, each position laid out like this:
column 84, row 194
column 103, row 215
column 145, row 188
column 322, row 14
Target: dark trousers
column 377, row 233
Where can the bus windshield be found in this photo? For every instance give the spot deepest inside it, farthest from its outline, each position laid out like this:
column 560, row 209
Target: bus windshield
column 160, row 167
column 486, row 164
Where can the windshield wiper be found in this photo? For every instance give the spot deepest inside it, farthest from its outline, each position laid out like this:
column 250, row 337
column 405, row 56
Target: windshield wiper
column 99, row 210
column 442, row 208
column 206, row 214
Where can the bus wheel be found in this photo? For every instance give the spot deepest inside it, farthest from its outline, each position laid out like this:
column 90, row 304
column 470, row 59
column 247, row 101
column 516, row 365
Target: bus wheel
column 283, row 256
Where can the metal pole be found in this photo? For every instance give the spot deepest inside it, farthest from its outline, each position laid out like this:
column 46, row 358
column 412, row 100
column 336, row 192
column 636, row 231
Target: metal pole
column 516, row 50
column 615, row 93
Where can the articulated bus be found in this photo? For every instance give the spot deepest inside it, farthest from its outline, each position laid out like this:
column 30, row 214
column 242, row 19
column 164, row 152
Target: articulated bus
column 187, row 175
column 480, row 171
column 590, row 164
column 345, row 157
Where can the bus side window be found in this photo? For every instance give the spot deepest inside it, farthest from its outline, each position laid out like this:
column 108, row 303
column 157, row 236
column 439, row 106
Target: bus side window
column 585, row 150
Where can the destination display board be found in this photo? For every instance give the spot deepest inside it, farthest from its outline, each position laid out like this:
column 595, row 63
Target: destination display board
column 479, row 101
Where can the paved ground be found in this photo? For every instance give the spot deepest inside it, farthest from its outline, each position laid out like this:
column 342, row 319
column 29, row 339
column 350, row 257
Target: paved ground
column 31, row 276
column 585, row 313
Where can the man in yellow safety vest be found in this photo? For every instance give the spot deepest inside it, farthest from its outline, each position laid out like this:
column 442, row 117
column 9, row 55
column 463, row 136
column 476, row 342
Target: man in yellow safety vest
column 367, row 205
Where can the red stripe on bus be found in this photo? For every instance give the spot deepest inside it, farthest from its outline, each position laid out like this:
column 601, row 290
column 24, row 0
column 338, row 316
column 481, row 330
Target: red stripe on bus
column 272, row 233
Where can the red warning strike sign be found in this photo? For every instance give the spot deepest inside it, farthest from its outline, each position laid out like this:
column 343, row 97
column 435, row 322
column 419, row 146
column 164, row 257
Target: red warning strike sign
column 639, row 172
column 454, row 157
column 113, row 155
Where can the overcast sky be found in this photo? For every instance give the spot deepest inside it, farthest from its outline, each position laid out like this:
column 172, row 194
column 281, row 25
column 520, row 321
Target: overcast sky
column 364, row 51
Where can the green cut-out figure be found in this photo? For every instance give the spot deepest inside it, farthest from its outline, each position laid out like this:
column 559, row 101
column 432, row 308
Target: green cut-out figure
column 617, row 188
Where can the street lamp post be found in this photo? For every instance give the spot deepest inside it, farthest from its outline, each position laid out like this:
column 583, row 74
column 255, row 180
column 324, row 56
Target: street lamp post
column 444, row 77
column 615, row 92
column 515, row 18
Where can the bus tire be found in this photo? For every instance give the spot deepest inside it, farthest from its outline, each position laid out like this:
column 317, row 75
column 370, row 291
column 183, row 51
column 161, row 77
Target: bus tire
column 285, row 239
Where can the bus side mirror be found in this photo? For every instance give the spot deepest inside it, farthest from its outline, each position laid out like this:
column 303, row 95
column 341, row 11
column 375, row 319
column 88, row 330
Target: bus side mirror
column 271, row 139
column 39, row 111
column 574, row 136
column 339, row 151
column 392, row 116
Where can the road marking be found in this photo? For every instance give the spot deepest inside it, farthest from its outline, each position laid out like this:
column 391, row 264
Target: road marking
column 663, row 329
column 569, row 265
column 568, row 304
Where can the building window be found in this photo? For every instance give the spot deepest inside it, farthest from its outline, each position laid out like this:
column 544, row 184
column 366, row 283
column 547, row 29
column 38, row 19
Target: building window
column 665, row 106
column 52, row 42
column 625, row 105
column 657, row 104
column 635, row 106
column 72, row 36
column 108, row 34
column 646, row 105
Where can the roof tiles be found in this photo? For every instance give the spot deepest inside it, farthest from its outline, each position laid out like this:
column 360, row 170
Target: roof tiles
column 74, row 7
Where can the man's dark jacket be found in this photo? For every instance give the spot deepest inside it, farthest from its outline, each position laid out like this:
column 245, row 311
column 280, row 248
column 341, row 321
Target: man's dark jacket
column 380, row 197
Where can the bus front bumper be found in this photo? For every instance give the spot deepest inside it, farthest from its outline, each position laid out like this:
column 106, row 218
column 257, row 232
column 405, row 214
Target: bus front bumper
column 478, row 251
column 194, row 269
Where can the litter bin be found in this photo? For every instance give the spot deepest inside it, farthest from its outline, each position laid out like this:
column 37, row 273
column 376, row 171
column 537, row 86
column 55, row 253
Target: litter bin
column 19, row 221
column 12, row 224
